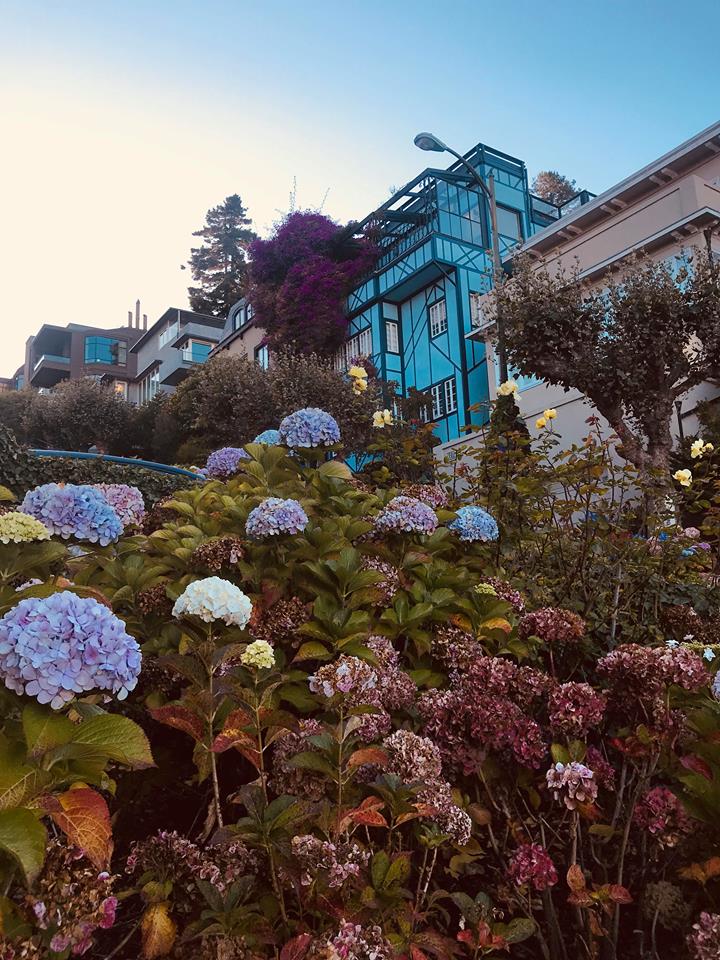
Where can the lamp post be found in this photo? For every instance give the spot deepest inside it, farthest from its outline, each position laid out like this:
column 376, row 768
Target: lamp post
column 428, row 141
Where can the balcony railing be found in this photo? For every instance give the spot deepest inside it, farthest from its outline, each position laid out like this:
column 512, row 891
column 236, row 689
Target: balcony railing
column 51, row 358
column 193, row 355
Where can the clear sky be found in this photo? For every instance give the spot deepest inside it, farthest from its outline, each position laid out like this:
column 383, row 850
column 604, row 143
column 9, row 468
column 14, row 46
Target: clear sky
column 124, row 120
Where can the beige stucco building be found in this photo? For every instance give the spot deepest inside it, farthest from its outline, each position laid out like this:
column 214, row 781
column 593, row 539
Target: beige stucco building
column 241, row 336
column 672, row 204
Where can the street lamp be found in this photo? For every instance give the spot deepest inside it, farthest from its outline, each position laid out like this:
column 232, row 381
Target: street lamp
column 428, row 141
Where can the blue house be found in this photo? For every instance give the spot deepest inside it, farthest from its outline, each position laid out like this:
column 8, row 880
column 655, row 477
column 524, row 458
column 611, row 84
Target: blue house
column 412, row 314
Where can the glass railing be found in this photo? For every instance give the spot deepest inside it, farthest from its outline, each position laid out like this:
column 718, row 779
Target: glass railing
column 52, row 358
column 196, row 354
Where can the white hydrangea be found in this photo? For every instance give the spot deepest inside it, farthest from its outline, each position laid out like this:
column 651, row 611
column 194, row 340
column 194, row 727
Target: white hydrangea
column 258, row 654
column 214, row 599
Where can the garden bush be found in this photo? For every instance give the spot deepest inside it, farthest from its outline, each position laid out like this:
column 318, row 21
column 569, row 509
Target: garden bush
column 357, row 738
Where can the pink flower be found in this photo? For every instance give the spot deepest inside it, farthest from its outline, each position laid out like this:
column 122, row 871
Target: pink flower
column 530, row 865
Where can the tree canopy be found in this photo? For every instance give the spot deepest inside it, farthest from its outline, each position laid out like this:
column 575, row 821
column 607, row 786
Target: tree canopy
column 219, row 265
column 554, row 187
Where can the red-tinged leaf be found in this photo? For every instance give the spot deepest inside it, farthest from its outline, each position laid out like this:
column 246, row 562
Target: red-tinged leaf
column 697, row 765
column 417, row 954
column 619, row 894
column 296, row 948
column 580, row 899
column 84, row 818
column 181, row 718
column 368, row 755
column 466, row 936
column 406, row 817
column 368, row 818
column 575, row 878
column 232, row 734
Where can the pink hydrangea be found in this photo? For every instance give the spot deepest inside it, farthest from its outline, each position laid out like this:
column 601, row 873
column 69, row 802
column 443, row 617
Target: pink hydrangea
column 554, row 625
column 572, row 782
column 531, row 866
column 575, row 708
column 661, row 813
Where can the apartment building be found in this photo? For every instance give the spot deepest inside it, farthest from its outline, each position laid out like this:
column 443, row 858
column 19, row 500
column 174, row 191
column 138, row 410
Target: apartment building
column 669, row 206
column 241, row 336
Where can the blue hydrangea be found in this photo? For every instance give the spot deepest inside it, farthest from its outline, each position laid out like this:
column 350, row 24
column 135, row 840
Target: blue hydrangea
column 310, row 427
column 70, row 510
column 225, row 462
column 473, row 524
column 274, row 516
column 55, row 648
column 406, row 515
column 271, row 438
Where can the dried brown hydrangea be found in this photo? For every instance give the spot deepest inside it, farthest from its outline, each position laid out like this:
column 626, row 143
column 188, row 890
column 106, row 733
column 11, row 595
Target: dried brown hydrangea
column 217, row 553
column 278, row 624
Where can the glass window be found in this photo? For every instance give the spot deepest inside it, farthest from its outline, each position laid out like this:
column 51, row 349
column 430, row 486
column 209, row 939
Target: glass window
column 105, row 350
column 438, row 318
column 262, row 357
column 169, row 333
column 357, row 346
column 196, row 351
column 150, row 386
column 121, row 388
column 391, row 336
column 509, row 223
column 444, row 398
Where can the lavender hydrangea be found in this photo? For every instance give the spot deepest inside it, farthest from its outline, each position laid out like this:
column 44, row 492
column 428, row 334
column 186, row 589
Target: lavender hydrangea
column 53, row 648
column 274, row 516
column 126, row 501
column 271, row 438
column 225, row 462
column 474, row 524
column 406, row 515
column 70, row 510
column 309, row 427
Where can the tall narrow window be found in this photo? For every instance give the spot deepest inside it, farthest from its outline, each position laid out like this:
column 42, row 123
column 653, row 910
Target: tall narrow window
column 477, row 314
column 360, row 345
column 438, row 318
column 444, row 398
column 437, row 401
column 391, row 336
column 450, row 392
column 509, row 223
column 262, row 357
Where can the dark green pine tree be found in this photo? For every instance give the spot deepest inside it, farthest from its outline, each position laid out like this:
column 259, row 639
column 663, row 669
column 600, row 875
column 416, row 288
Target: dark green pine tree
column 219, row 266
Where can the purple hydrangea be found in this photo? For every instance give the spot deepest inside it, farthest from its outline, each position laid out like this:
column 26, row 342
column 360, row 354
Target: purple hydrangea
column 225, row 462
column 271, row 438
column 70, row 510
column 274, row 516
column 406, row 515
column 473, row 524
column 53, row 648
column 310, row 427
column 126, row 501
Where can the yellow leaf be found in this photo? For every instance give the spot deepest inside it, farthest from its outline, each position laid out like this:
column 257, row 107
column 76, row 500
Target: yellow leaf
column 497, row 623
column 83, row 815
column 158, row 931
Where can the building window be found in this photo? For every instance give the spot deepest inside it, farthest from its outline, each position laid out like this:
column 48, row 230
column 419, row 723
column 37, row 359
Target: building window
column 120, row 387
column 105, row 350
column 262, row 357
column 359, row 345
column 169, row 333
column 391, row 336
column 444, row 400
column 150, row 386
column 509, row 223
column 477, row 312
column 196, row 351
column 438, row 318
column 238, row 319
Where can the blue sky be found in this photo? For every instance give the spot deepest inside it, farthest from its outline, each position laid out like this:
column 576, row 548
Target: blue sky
column 124, row 121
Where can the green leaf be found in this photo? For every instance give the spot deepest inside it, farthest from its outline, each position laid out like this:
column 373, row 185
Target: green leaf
column 519, row 929
column 335, row 468
column 559, row 753
column 45, row 729
column 379, row 868
column 120, row 738
column 23, row 836
column 399, row 871
column 312, row 650
column 312, row 761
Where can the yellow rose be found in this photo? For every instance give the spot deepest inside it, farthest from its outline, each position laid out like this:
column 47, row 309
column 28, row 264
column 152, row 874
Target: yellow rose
column 540, row 423
column 359, row 372
column 507, row 388
column 683, row 477
column 550, row 414
column 708, row 448
column 378, row 420
column 359, row 386
column 697, row 448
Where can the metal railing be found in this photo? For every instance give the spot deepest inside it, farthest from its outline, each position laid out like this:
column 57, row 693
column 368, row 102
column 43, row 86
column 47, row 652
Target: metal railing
column 54, row 358
column 123, row 461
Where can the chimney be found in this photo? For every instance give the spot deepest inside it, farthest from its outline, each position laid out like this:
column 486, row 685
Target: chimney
column 137, row 314
column 129, row 318
column 144, row 321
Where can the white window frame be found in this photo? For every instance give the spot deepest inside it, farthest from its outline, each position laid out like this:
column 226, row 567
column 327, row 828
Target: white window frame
column 450, row 395
column 443, row 400
column 150, row 386
column 359, row 345
column 437, row 312
column 392, row 336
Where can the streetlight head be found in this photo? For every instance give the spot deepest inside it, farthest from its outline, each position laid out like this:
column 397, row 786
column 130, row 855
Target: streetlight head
column 428, row 141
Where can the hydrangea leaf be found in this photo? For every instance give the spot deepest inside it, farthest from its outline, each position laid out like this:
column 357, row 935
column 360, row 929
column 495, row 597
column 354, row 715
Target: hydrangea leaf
column 158, row 931
column 23, row 836
column 120, row 738
column 44, row 729
column 84, row 818
column 180, row 718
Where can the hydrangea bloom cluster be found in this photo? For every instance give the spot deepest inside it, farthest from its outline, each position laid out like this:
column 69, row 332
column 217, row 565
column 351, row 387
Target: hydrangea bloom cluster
column 666, row 902
column 661, row 813
column 70, row 510
column 575, row 708
column 271, row 438
column 338, row 862
column 474, row 525
column 54, row 648
column 297, row 781
column 467, row 727
column 704, row 941
column 602, row 768
column 258, row 654
column 214, row 599
column 309, row 427
column 430, row 493
column 353, row 942
column 390, row 583
column 73, row 900
column 396, row 688
column 715, row 689
column 343, row 676
column 456, row 647
column 279, row 623
column 218, row 553
column 554, row 625
column 225, row 462
column 16, row 527
column 573, row 782
column 126, row 501
column 154, row 600
column 506, row 592
column 406, row 515
column 275, row 516
column 531, row 866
